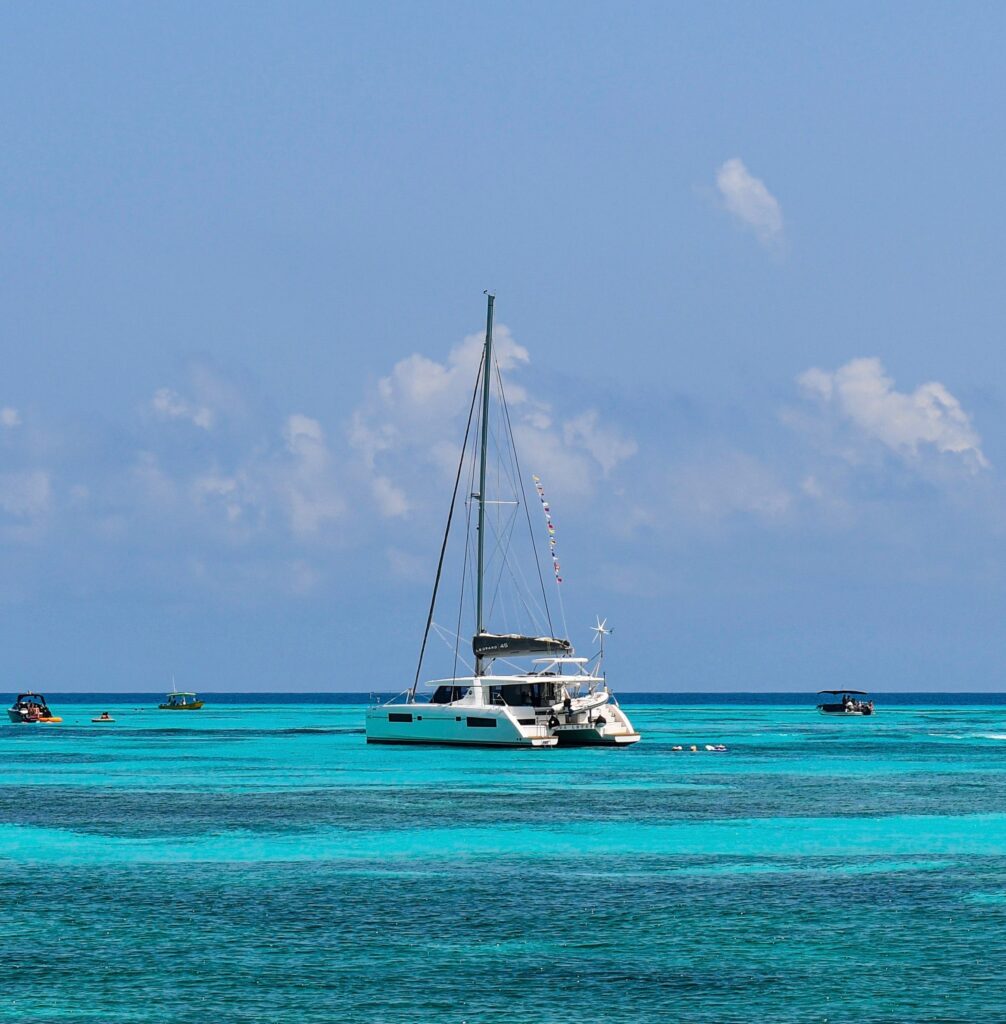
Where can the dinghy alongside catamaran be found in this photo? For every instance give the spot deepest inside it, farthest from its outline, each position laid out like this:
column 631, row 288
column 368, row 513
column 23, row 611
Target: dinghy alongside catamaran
column 560, row 699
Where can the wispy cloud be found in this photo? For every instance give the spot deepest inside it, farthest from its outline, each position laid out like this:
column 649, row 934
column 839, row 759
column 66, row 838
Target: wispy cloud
column 605, row 443
column 731, row 484
column 862, row 396
column 748, row 199
column 170, row 405
column 9, row 417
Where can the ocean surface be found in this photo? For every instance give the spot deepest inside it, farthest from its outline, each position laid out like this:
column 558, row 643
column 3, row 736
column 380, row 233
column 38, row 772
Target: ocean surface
column 256, row 861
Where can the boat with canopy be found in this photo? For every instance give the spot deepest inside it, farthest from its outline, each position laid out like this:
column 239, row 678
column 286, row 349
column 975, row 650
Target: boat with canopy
column 31, row 707
column 181, row 700
column 557, row 699
column 847, row 704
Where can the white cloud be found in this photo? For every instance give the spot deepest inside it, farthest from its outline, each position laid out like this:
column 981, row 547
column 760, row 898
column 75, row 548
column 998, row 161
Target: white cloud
column 284, row 486
column 565, row 472
column 390, row 499
column 412, row 422
column 747, row 198
column 862, row 395
column 9, row 417
column 226, row 490
column 304, row 435
column 418, row 402
column 170, row 405
column 306, row 483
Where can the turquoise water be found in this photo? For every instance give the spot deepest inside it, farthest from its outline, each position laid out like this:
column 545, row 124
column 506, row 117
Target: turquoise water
column 254, row 863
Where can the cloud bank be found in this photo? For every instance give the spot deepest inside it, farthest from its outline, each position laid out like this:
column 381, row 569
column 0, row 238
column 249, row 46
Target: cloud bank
column 210, row 485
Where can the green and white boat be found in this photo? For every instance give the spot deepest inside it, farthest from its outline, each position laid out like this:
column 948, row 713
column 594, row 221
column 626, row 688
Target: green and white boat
column 181, row 700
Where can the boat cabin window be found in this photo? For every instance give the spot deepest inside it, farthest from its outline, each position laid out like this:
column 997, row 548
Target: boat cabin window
column 524, row 695
column 448, row 694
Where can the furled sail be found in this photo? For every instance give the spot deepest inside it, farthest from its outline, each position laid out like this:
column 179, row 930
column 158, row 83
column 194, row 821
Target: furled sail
column 492, row 645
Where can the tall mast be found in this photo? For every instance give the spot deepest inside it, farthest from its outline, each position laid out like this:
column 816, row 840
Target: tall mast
column 486, row 377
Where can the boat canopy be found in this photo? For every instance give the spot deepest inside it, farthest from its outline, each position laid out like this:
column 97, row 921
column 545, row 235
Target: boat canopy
column 860, row 693
column 181, row 693
column 490, row 645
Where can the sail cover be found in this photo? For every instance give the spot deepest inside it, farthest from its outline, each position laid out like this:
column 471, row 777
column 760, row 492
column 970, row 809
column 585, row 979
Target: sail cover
column 492, row 645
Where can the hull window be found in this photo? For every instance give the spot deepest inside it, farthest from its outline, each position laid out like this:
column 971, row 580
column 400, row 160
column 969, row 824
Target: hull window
column 481, row 723
column 399, row 718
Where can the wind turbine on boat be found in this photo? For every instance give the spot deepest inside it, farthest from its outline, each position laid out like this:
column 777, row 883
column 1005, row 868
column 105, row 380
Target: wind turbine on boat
column 600, row 631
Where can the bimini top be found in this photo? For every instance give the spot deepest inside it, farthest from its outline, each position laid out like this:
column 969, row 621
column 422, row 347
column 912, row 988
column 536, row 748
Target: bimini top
column 181, row 693
column 860, row 693
column 37, row 698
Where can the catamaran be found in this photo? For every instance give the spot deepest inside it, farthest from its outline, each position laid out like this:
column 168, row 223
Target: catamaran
column 559, row 699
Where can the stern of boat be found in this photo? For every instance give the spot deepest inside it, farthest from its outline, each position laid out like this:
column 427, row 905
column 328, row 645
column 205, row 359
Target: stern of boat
column 610, row 728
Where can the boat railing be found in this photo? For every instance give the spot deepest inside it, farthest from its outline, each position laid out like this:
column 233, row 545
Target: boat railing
column 377, row 699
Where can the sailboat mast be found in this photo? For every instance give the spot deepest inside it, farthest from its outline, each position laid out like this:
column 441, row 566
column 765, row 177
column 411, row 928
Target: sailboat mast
column 486, row 377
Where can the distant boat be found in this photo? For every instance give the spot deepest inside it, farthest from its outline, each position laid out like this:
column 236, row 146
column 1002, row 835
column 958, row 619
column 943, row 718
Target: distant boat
column 561, row 699
column 180, row 700
column 103, row 717
column 848, row 705
column 29, row 708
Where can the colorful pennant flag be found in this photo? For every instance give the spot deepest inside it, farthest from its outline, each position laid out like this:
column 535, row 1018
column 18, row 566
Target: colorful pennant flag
column 550, row 526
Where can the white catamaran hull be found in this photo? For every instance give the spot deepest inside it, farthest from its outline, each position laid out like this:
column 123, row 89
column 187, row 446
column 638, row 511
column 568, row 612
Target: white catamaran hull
column 590, row 720
column 453, row 724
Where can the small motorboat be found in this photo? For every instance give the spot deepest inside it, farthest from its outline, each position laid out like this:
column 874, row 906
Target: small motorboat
column 180, row 700
column 29, row 708
column 849, row 704
column 103, row 717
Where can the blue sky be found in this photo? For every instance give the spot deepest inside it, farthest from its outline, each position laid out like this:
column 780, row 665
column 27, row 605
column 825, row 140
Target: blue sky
column 748, row 261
